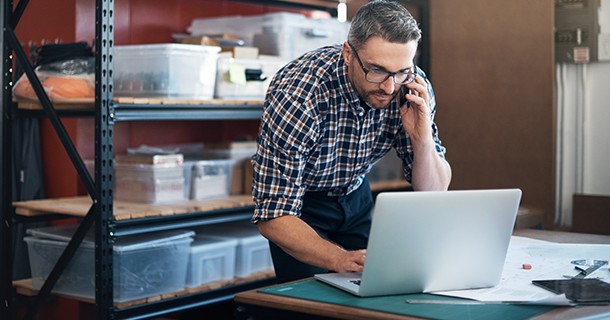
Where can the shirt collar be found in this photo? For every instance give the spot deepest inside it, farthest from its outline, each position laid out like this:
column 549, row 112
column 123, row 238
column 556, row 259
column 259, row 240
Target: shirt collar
column 346, row 87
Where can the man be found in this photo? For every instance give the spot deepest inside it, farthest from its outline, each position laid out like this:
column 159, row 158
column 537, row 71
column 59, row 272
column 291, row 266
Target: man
column 329, row 116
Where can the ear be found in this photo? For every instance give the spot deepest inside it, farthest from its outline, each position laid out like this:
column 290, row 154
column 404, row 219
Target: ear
column 347, row 54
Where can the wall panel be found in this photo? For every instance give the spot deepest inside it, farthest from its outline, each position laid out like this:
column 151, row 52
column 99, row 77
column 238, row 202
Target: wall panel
column 492, row 69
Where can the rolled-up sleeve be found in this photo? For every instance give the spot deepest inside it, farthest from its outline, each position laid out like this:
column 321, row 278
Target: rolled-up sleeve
column 287, row 133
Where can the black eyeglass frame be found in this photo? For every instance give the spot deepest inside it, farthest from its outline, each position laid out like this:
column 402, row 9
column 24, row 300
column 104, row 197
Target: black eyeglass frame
column 411, row 74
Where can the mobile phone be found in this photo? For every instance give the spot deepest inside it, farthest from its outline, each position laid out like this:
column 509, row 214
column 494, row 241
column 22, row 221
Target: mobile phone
column 401, row 96
column 578, row 290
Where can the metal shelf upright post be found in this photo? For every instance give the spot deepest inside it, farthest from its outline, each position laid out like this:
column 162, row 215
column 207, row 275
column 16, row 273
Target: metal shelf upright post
column 103, row 197
column 6, row 234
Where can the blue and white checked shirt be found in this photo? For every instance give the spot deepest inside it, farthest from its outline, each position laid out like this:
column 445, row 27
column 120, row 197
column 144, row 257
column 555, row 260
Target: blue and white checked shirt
column 315, row 135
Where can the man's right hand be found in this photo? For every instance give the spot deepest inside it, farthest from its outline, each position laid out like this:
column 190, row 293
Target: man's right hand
column 350, row 261
column 302, row 242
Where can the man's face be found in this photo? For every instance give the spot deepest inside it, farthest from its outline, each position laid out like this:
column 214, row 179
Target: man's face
column 378, row 54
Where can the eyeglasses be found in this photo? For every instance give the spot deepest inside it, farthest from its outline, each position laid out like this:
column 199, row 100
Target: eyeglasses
column 378, row 76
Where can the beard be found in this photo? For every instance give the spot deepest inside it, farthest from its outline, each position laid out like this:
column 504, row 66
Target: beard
column 378, row 99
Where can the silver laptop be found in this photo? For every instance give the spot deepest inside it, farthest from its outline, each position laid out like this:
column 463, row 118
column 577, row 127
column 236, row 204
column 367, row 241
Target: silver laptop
column 434, row 241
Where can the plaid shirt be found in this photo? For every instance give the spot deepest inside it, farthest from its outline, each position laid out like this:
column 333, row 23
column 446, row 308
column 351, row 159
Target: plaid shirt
column 317, row 135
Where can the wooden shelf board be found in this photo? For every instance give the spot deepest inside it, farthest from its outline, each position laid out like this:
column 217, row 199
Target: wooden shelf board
column 168, row 101
column 89, row 103
column 389, row 185
column 123, row 210
column 63, row 104
column 26, row 288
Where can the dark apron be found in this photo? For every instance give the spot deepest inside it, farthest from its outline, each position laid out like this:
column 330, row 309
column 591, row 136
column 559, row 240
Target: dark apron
column 344, row 220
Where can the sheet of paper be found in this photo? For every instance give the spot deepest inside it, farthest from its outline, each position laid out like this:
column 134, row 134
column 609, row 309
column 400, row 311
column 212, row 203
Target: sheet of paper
column 548, row 260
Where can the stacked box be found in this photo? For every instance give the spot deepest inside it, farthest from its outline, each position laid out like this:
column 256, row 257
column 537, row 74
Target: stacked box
column 210, row 260
column 283, row 34
column 143, row 266
column 290, row 35
column 211, row 179
column 242, row 26
column 257, row 74
column 149, row 178
column 252, row 253
column 175, row 71
column 240, row 152
column 188, row 151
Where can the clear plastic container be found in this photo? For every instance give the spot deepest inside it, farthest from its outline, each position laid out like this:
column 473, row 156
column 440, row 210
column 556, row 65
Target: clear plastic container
column 211, row 179
column 148, row 171
column 243, row 26
column 173, row 70
column 252, row 254
column 290, row 35
column 149, row 190
column 210, row 260
column 241, row 158
column 144, row 265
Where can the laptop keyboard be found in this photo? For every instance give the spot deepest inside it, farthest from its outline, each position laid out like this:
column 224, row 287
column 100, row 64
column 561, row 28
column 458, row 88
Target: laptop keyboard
column 356, row 282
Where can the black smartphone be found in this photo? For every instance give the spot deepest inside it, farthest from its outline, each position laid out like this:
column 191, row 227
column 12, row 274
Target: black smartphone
column 401, row 96
column 578, row 290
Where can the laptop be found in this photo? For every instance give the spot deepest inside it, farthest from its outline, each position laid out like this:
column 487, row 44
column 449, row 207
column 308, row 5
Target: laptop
column 429, row 241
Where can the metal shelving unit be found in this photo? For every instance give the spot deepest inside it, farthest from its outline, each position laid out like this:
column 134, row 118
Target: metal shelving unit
column 100, row 214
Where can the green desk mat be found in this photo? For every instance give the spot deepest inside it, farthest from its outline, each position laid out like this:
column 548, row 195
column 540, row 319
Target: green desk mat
column 314, row 290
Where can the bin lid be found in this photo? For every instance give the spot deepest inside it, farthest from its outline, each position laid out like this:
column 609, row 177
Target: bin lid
column 212, row 242
column 59, row 232
column 244, row 232
column 156, row 48
column 151, row 240
column 63, row 233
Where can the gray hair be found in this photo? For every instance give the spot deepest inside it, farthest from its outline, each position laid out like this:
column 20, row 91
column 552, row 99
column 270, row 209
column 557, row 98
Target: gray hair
column 386, row 19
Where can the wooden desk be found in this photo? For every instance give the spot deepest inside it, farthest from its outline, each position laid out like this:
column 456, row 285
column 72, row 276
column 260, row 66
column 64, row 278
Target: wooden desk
column 278, row 307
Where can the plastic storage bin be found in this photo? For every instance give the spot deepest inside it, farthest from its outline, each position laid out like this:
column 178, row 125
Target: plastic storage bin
column 144, row 265
column 211, row 179
column 139, row 171
column 240, row 153
column 149, row 190
column 252, row 253
column 280, row 33
column 290, row 35
column 254, row 87
column 138, row 181
column 243, row 26
column 179, row 71
column 210, row 260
